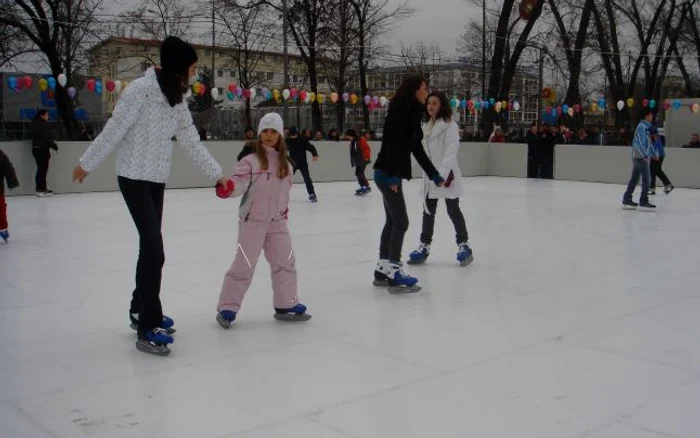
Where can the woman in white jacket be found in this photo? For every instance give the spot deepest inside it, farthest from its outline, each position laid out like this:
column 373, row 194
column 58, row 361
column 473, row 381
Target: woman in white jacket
column 150, row 112
column 441, row 142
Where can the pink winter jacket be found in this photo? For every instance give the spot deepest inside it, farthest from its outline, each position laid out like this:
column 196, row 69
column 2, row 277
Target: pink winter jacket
column 265, row 197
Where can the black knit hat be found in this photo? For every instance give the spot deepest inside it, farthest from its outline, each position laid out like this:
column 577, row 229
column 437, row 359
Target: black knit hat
column 176, row 56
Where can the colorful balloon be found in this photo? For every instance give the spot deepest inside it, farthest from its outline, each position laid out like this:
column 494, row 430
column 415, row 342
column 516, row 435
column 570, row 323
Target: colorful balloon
column 62, row 80
column 43, row 84
column 110, row 85
column 72, row 93
column 52, row 83
column 90, row 84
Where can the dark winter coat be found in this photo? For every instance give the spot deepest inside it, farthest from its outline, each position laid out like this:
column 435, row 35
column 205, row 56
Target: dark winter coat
column 42, row 135
column 533, row 144
column 401, row 137
column 248, row 148
column 298, row 148
column 7, row 173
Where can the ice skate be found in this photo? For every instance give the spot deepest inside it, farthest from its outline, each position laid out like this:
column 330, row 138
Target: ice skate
column 380, row 279
column 362, row 191
column 5, row 235
column 668, row 189
column 313, row 198
column 399, row 281
column 167, row 324
column 294, row 314
column 225, row 318
column 419, row 256
column 629, row 205
column 465, row 255
column 154, row 342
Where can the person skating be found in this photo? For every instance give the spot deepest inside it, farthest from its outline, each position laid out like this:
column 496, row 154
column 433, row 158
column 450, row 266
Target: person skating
column 441, row 141
column 7, row 174
column 150, row 111
column 360, row 157
column 402, row 136
column 642, row 152
column 299, row 146
column 655, row 166
column 42, row 142
column 264, row 180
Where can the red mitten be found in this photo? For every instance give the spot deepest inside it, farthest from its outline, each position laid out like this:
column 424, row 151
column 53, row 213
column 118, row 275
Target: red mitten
column 224, row 192
column 450, row 178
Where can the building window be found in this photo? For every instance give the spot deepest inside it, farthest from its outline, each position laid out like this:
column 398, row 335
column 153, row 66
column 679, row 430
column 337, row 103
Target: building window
column 220, row 74
column 270, row 76
column 232, row 73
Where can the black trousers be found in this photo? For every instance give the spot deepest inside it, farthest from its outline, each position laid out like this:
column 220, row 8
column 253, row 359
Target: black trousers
column 396, row 223
column 304, row 169
column 547, row 166
column 455, row 214
column 656, row 170
column 144, row 199
column 533, row 166
column 360, row 174
column 42, row 157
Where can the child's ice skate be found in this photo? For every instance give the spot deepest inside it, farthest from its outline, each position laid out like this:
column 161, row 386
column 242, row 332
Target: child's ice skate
column 465, row 255
column 398, row 281
column 419, row 256
column 293, row 314
column 5, row 235
column 154, row 342
column 380, row 278
column 167, row 324
column 225, row 318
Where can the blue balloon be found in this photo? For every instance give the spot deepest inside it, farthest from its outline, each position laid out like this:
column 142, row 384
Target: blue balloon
column 98, row 87
column 676, row 104
column 492, row 101
column 464, row 103
column 565, row 108
column 601, row 103
column 12, row 82
column 52, row 83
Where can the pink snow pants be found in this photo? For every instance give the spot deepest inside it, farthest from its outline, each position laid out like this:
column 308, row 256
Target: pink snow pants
column 254, row 236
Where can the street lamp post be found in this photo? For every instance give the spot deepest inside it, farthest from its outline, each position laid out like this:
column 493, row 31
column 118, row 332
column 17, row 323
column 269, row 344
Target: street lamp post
column 285, row 50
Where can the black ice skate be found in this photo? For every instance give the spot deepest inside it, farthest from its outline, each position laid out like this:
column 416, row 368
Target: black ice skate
column 294, row 314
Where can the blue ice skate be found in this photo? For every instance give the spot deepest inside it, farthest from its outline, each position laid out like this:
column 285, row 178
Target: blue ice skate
column 465, row 255
column 419, row 256
column 166, row 325
column 5, row 235
column 399, row 281
column 225, row 318
column 154, row 342
column 293, row 314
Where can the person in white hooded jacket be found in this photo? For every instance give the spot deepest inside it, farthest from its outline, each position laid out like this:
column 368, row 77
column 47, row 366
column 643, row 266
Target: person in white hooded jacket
column 441, row 142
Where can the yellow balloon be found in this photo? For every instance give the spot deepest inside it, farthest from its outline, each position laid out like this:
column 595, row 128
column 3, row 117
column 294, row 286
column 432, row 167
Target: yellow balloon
column 43, row 84
column 594, row 107
column 353, row 98
column 275, row 93
column 312, row 96
column 320, row 98
column 630, row 102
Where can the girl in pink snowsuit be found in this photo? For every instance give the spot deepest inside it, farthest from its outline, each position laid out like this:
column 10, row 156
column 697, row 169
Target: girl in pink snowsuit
column 264, row 180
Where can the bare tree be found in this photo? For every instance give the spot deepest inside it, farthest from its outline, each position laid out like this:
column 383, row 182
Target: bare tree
column 573, row 21
column 61, row 30
column 157, row 19
column 422, row 58
column 248, row 32
column 374, row 19
column 341, row 53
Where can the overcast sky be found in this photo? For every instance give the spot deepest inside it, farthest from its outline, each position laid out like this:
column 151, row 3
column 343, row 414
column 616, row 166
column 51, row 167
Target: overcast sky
column 439, row 21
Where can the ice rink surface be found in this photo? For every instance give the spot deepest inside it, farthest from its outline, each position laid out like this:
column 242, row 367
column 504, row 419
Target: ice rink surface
column 576, row 319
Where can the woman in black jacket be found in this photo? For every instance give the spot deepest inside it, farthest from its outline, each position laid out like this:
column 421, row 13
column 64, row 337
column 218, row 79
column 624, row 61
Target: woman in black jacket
column 42, row 141
column 402, row 136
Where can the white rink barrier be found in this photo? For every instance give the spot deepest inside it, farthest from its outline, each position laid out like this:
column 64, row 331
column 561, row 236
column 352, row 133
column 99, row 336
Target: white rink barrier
column 606, row 164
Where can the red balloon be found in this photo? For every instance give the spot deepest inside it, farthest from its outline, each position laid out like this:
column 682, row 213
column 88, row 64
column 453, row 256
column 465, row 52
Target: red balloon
column 246, row 94
column 302, row 95
column 28, row 81
column 110, row 85
column 202, row 89
column 232, row 87
column 645, row 103
column 90, row 84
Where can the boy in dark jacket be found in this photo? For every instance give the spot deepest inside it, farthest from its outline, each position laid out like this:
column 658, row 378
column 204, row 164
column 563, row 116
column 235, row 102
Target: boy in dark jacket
column 298, row 147
column 7, row 173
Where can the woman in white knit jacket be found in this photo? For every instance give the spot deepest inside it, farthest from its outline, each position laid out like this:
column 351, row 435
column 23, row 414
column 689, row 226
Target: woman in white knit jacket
column 150, row 112
column 441, row 142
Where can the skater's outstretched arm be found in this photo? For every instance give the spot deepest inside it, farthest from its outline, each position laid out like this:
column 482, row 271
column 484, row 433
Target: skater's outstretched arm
column 311, row 148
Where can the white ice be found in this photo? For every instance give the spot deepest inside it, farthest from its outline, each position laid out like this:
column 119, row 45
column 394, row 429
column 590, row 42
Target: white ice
column 576, row 319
